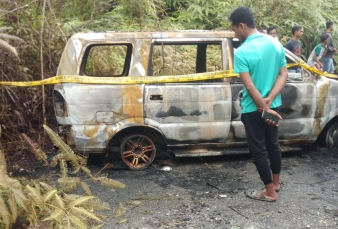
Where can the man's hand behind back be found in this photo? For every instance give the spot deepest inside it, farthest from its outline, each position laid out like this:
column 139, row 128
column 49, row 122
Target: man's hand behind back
column 269, row 121
column 267, row 102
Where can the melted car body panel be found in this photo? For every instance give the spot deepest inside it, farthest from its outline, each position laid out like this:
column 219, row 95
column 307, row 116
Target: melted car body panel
column 197, row 114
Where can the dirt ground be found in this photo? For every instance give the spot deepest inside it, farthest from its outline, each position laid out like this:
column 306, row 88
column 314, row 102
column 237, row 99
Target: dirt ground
column 208, row 192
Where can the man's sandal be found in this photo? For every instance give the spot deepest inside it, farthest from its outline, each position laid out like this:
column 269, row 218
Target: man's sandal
column 254, row 194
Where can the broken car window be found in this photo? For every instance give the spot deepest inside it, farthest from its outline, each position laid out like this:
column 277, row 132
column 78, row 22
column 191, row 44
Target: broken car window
column 108, row 60
column 183, row 59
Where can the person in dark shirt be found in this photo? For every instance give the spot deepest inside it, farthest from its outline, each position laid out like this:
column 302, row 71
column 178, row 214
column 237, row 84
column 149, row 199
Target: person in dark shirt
column 294, row 45
column 327, row 59
column 272, row 31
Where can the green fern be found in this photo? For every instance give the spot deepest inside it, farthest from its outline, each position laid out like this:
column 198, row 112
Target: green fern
column 68, row 184
column 38, row 152
column 5, row 216
column 64, row 168
column 41, row 204
column 86, row 188
column 109, row 182
column 67, row 153
column 49, row 195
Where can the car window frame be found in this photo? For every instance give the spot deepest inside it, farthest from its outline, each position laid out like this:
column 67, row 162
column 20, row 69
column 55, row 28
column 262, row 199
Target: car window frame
column 184, row 41
column 127, row 63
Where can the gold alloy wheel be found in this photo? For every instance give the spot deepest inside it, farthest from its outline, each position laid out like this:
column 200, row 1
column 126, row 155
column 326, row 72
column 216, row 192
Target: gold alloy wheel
column 137, row 151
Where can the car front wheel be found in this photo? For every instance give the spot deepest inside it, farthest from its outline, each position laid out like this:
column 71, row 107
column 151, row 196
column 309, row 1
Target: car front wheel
column 332, row 136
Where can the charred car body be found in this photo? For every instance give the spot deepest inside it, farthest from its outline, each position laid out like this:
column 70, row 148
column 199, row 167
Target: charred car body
column 196, row 118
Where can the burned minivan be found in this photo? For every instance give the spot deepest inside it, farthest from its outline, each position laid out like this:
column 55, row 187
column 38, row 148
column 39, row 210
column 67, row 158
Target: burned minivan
column 196, row 118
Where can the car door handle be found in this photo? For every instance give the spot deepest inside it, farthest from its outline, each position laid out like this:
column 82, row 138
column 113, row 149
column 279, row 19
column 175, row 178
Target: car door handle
column 156, row 97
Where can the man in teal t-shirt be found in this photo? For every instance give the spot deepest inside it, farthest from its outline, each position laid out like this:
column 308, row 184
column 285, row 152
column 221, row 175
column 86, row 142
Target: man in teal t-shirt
column 261, row 63
column 257, row 56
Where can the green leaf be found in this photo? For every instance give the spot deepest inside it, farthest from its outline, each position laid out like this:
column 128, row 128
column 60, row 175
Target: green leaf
column 84, row 212
column 50, row 195
column 34, row 193
column 77, row 222
column 86, row 188
column 59, row 201
column 56, row 215
column 80, row 201
column 47, row 187
column 5, row 216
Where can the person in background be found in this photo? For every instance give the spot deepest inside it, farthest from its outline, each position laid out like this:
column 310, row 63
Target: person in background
column 319, row 51
column 272, row 31
column 261, row 64
column 327, row 58
column 294, row 45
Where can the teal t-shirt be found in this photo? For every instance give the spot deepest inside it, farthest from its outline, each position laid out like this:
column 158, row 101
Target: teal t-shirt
column 318, row 49
column 262, row 56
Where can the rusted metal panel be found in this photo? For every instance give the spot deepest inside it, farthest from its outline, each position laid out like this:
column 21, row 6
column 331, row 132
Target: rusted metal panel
column 191, row 152
column 104, row 36
column 140, row 57
column 69, row 62
column 298, row 111
column 190, row 112
column 86, row 103
column 327, row 103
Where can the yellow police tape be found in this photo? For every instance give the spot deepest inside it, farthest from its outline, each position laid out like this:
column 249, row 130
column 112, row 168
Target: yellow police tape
column 145, row 79
column 314, row 70
column 124, row 80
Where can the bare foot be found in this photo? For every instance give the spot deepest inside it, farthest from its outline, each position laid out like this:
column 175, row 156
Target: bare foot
column 277, row 187
column 271, row 196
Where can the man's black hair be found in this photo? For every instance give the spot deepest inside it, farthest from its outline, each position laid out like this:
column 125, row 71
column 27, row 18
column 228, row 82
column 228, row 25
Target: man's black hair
column 296, row 28
column 328, row 24
column 242, row 15
column 271, row 28
column 323, row 37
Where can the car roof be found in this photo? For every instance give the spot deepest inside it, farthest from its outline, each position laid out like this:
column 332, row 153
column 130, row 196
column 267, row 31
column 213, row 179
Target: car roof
column 155, row 35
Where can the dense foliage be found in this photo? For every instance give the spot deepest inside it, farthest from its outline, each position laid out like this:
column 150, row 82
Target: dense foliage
column 62, row 18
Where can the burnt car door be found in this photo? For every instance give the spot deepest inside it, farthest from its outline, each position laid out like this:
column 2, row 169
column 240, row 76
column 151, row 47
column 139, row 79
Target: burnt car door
column 298, row 107
column 191, row 112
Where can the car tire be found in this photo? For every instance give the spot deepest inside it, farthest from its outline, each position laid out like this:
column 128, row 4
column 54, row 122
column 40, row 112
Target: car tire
column 137, row 151
column 332, row 136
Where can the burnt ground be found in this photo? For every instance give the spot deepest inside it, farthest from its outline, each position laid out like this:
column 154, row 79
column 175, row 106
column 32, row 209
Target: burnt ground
column 208, row 192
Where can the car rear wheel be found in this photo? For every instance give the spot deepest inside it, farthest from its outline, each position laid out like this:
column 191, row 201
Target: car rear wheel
column 332, row 136
column 137, row 151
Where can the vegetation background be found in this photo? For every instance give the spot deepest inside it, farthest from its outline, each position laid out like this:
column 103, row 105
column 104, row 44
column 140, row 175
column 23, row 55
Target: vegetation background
column 45, row 26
